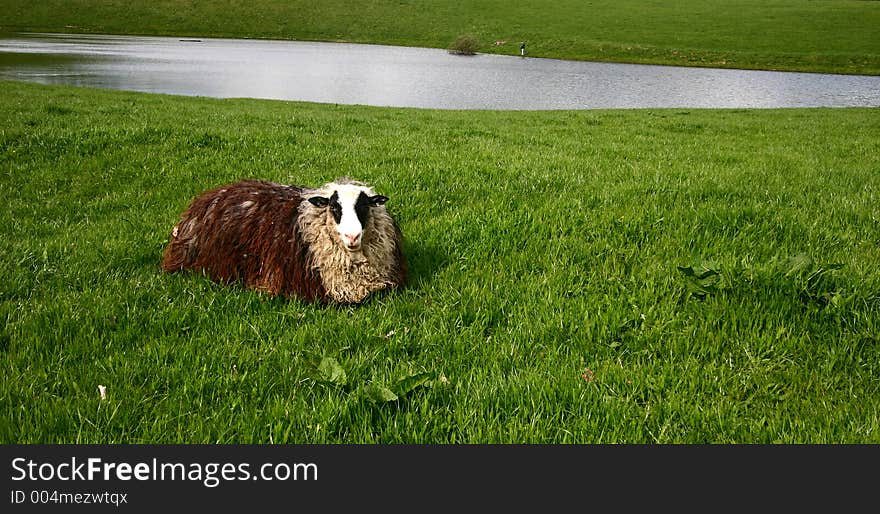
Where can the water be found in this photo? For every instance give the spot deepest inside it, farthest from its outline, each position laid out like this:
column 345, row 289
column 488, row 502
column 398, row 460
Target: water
column 406, row 77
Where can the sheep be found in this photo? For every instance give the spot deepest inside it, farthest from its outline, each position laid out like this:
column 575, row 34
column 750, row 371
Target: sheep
column 337, row 243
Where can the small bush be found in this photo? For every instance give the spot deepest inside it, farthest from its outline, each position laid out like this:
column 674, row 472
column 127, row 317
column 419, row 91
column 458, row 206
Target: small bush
column 465, row 45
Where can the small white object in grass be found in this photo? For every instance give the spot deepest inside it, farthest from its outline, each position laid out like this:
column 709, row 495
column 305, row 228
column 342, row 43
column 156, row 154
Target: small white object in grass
column 103, row 391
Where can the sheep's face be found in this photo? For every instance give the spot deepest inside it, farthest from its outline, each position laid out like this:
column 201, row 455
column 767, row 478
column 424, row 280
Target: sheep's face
column 349, row 206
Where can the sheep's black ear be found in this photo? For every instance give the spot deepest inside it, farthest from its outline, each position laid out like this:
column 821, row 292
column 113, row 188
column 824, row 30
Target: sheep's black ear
column 319, row 201
column 378, row 200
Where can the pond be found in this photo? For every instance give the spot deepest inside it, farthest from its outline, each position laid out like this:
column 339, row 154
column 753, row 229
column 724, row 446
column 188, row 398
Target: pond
column 406, row 77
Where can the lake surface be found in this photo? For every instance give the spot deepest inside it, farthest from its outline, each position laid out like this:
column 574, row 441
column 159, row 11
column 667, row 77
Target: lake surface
column 406, row 77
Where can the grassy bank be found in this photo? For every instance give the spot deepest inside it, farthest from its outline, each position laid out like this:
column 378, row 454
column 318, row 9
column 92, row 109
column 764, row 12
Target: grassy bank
column 596, row 276
column 829, row 36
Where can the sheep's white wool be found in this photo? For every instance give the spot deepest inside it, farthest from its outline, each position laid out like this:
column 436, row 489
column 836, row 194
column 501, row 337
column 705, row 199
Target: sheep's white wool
column 349, row 276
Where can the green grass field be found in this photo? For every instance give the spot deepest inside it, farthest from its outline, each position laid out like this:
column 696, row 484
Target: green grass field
column 837, row 36
column 643, row 276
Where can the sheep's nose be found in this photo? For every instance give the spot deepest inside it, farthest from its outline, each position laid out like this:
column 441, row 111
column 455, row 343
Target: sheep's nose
column 352, row 239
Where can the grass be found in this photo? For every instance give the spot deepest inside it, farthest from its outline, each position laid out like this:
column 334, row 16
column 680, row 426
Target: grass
column 838, row 36
column 668, row 276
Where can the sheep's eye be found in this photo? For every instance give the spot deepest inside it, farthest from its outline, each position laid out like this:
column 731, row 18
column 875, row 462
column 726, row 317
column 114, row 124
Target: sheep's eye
column 336, row 211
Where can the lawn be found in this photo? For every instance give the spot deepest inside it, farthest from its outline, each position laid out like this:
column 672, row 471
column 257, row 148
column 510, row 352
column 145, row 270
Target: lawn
column 838, row 36
column 638, row 276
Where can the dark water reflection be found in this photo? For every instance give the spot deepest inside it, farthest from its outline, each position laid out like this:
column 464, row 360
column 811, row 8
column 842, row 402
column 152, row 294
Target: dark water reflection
column 405, row 77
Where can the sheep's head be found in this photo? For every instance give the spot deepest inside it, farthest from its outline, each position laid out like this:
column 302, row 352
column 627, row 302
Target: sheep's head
column 349, row 206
